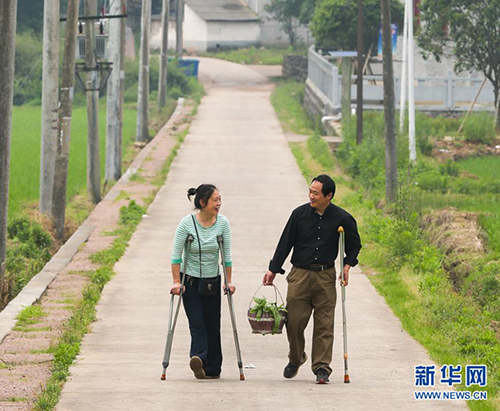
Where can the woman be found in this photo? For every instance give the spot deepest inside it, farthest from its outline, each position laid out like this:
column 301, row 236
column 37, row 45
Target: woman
column 203, row 311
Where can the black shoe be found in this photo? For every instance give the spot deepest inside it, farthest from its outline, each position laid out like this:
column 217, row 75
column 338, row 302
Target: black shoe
column 196, row 365
column 212, row 377
column 290, row 370
column 322, row 376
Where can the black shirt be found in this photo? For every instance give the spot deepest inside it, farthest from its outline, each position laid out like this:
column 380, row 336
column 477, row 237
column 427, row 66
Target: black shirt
column 315, row 238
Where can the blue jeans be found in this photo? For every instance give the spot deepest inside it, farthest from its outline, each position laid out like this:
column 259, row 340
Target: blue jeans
column 203, row 313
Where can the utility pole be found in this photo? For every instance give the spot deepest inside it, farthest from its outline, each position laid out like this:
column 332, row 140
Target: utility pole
column 391, row 164
column 404, row 75
column 8, row 13
column 162, row 82
column 50, row 102
column 115, row 107
column 359, row 97
column 411, row 86
column 346, row 88
column 93, row 163
column 142, row 134
column 179, row 19
column 64, row 128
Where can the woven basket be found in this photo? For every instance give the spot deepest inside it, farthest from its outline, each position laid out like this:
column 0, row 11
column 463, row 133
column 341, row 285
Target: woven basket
column 265, row 324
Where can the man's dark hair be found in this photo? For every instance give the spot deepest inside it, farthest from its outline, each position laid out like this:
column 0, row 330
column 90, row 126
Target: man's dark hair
column 203, row 192
column 328, row 184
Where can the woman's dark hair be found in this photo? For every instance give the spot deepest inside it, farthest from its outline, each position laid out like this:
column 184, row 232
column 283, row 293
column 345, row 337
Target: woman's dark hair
column 328, row 184
column 203, row 192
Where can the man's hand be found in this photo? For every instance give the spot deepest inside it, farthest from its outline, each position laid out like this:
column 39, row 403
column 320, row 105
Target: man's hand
column 268, row 278
column 347, row 267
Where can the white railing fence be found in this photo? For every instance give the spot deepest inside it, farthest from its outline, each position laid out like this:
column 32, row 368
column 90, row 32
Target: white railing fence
column 439, row 93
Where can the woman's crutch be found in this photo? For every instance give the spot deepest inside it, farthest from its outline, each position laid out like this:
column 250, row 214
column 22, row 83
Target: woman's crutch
column 231, row 308
column 171, row 324
column 342, row 286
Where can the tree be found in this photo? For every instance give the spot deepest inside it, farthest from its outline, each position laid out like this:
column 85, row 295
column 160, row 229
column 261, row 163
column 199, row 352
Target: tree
column 93, row 155
column 162, row 81
column 8, row 10
column 391, row 163
column 64, row 121
column 287, row 13
column 114, row 113
column 30, row 16
column 50, row 102
column 334, row 23
column 467, row 30
column 142, row 134
column 361, row 60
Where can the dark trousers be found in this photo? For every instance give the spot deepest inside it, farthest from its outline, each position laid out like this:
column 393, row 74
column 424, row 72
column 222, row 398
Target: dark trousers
column 203, row 313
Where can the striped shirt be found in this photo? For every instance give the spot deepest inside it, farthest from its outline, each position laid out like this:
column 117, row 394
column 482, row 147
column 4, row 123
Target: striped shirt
column 209, row 246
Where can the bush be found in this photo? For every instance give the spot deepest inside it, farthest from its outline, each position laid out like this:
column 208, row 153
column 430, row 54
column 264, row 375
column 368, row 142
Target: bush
column 27, row 252
column 483, row 284
column 432, row 181
column 131, row 214
column 178, row 84
column 480, row 128
column 450, row 169
column 28, row 69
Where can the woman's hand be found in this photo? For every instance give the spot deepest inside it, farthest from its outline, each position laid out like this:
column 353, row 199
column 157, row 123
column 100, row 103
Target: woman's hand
column 176, row 289
column 231, row 287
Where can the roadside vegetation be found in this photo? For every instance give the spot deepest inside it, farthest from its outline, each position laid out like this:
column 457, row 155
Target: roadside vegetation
column 31, row 243
column 255, row 55
column 445, row 292
column 83, row 314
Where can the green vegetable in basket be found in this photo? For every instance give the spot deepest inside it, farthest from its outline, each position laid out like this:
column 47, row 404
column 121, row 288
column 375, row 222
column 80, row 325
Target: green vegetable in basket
column 262, row 306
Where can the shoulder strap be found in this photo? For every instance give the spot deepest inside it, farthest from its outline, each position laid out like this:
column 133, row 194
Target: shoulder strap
column 199, row 244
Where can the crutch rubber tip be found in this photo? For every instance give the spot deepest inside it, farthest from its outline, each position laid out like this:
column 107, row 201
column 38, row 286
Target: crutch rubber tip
column 346, row 379
column 163, row 377
column 242, row 377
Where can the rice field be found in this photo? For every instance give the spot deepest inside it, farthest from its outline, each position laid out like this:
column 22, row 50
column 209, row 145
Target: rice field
column 25, row 151
column 487, row 167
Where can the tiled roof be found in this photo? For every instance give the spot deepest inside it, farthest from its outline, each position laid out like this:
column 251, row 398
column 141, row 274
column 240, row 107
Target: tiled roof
column 222, row 10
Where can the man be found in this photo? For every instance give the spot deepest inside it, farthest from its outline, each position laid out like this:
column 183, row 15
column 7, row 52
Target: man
column 312, row 232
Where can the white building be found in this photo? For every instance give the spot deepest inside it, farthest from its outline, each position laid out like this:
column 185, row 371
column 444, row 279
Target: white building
column 212, row 24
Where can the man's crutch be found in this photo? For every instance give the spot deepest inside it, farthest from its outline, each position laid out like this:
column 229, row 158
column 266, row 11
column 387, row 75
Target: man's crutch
column 231, row 308
column 342, row 286
column 171, row 324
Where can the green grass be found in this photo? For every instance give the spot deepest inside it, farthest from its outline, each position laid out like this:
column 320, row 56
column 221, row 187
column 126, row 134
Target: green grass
column 486, row 167
column 463, row 202
column 68, row 346
column 454, row 327
column 16, row 399
column 287, row 100
column 30, row 315
column 254, row 55
column 25, row 151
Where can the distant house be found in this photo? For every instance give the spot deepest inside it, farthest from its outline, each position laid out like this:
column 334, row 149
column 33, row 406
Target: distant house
column 271, row 31
column 212, row 24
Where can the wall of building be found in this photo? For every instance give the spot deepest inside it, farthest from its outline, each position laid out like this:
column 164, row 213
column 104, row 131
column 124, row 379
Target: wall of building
column 223, row 34
column 194, row 32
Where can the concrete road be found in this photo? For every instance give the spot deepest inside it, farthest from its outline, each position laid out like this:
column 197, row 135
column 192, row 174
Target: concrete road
column 235, row 142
